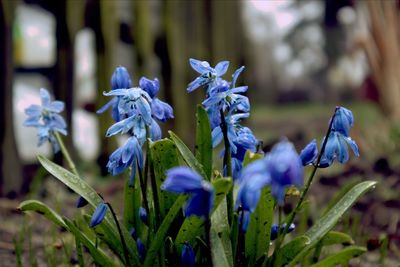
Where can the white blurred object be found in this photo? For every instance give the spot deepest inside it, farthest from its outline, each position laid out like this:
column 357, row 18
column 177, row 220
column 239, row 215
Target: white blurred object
column 85, row 67
column 26, row 93
column 36, row 43
column 85, row 134
column 346, row 15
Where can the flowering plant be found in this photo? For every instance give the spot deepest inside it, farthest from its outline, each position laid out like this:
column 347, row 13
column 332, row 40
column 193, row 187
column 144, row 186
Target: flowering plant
column 228, row 214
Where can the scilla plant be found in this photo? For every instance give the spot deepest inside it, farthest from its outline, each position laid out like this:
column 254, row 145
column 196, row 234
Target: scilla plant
column 179, row 210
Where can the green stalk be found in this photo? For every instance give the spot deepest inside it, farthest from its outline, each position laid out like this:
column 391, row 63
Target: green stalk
column 66, row 155
column 292, row 215
column 207, row 229
column 124, row 247
column 227, row 165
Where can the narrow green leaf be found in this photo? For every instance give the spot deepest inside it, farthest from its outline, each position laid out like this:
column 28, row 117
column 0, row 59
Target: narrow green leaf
column 165, row 157
column 258, row 234
column 341, row 258
column 98, row 255
column 203, row 148
column 159, row 238
column 334, row 237
column 82, row 188
column 193, row 226
column 218, row 253
column 79, row 253
column 43, row 209
column 220, row 236
column 329, row 220
column 290, row 250
column 129, row 204
column 187, row 155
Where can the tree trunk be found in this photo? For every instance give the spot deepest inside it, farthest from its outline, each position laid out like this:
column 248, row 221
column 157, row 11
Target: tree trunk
column 11, row 178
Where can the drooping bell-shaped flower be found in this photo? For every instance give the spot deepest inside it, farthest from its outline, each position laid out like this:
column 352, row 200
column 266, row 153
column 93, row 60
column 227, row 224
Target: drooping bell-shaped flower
column 337, row 148
column 309, row 153
column 187, row 256
column 185, row 180
column 81, row 202
column 127, row 155
column 343, row 121
column 141, row 249
column 285, row 168
column 275, row 229
column 143, row 215
column 99, row 214
column 119, row 80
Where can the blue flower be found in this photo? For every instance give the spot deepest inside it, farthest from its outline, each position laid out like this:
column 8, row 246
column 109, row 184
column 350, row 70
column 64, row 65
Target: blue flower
column 232, row 123
column 285, row 168
column 309, row 153
column 343, row 121
column 143, row 215
column 280, row 168
column 244, row 215
column 275, row 228
column 81, row 202
column 160, row 110
column 187, row 256
column 141, row 249
column 185, row 180
column 155, row 131
column 132, row 233
column 254, row 177
column 336, row 148
column 98, row 214
column 119, row 80
column 125, row 156
column 208, row 75
column 46, row 119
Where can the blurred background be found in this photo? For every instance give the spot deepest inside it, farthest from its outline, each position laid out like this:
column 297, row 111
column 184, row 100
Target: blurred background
column 302, row 59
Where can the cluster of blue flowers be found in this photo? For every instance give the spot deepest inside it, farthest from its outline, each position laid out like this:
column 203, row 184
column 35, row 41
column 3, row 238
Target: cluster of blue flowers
column 46, row 119
column 224, row 101
column 283, row 167
column 135, row 111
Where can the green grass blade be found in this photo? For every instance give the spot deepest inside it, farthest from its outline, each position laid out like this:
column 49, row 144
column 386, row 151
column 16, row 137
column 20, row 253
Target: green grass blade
column 187, row 155
column 329, row 220
column 43, row 209
column 98, row 255
column 341, row 258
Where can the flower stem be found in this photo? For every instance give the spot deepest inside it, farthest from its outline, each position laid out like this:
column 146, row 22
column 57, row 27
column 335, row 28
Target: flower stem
column 292, row 215
column 66, row 155
column 227, row 165
column 240, row 258
column 143, row 190
column 124, row 247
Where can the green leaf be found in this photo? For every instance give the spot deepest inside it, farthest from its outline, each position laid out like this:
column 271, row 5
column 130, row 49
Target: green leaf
column 98, row 255
column 259, row 231
column 249, row 157
column 218, row 253
column 187, row 155
column 82, row 188
column 130, row 193
column 193, row 226
column 341, row 258
column 290, row 250
column 160, row 236
column 334, row 237
column 329, row 220
column 165, row 157
column 220, row 237
column 43, row 209
column 203, row 148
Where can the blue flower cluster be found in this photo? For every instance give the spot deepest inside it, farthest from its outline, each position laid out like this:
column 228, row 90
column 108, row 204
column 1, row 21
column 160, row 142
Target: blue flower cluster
column 46, row 119
column 225, row 99
column 135, row 111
